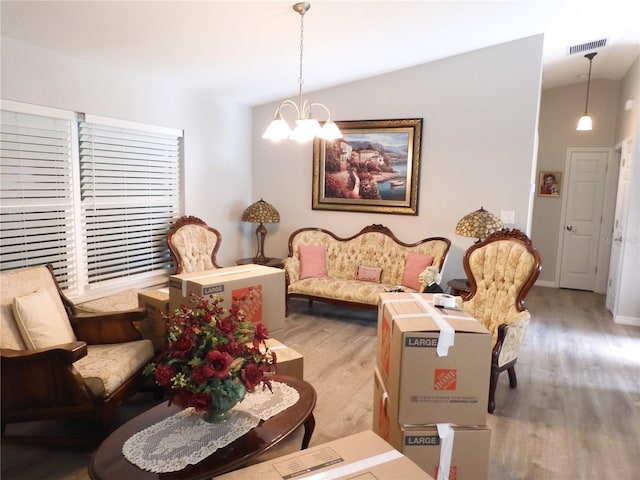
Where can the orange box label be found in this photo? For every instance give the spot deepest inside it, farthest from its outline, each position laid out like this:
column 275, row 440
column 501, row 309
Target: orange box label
column 445, row 379
column 385, row 345
column 249, row 299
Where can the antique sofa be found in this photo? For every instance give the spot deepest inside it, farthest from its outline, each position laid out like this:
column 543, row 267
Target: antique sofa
column 353, row 271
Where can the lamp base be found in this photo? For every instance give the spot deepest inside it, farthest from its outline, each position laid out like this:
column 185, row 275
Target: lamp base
column 261, row 260
column 261, row 233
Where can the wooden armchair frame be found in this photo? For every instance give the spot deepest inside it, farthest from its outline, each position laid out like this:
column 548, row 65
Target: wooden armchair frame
column 512, row 235
column 43, row 384
column 185, row 221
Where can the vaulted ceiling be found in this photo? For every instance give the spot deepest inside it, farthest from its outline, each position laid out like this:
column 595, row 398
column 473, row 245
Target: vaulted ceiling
column 250, row 50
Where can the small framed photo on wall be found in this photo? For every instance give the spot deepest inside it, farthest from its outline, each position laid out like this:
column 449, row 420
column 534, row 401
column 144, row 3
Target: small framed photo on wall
column 549, row 183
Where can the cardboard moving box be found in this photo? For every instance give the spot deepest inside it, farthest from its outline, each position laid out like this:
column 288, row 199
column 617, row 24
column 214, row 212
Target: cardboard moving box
column 361, row 456
column 153, row 326
column 290, row 362
column 435, row 363
column 466, row 453
column 258, row 290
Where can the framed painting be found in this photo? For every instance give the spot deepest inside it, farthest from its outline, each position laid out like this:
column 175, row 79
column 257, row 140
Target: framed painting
column 549, row 183
column 374, row 168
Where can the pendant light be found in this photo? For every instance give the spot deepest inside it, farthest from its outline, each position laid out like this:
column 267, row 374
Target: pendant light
column 585, row 123
column 307, row 127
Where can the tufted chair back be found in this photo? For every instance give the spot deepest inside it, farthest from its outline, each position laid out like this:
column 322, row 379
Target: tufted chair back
column 501, row 270
column 193, row 245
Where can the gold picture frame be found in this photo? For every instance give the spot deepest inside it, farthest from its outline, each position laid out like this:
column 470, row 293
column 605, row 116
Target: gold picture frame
column 549, row 183
column 375, row 168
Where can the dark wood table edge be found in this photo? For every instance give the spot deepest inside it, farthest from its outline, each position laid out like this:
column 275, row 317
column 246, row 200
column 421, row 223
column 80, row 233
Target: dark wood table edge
column 201, row 470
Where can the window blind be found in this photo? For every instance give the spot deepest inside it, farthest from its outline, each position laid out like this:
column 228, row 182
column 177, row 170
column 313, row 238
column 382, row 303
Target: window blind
column 129, row 181
column 36, row 195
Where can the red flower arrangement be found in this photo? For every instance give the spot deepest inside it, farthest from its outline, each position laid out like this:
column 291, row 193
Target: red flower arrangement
column 212, row 354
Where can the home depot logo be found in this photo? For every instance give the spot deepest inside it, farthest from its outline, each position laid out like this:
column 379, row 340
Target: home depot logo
column 445, row 379
column 250, row 301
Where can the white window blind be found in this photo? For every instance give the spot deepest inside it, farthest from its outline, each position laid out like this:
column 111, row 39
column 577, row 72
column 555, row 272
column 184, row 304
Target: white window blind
column 129, row 180
column 37, row 209
column 100, row 216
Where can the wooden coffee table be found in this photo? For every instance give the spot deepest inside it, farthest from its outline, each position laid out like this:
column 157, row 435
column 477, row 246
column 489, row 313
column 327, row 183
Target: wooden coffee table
column 108, row 463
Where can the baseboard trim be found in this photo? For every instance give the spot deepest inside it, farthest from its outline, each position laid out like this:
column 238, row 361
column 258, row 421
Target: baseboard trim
column 546, row 283
column 622, row 320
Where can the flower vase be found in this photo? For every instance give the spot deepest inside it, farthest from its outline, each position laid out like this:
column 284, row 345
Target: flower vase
column 221, row 405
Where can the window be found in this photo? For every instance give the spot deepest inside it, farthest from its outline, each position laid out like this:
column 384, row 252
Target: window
column 91, row 195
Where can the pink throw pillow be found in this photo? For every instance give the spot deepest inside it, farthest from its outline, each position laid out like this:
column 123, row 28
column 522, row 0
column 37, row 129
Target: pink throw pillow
column 312, row 261
column 413, row 267
column 368, row 274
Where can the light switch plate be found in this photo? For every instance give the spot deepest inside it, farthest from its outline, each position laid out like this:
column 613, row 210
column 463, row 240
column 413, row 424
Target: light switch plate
column 508, row 217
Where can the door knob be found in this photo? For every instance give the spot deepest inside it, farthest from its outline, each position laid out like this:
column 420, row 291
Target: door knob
column 569, row 227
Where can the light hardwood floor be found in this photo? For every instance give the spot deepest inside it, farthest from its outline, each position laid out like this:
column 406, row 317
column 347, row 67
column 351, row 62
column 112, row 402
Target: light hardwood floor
column 575, row 414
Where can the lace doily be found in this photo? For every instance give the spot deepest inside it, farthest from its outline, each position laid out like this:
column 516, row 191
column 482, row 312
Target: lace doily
column 185, row 438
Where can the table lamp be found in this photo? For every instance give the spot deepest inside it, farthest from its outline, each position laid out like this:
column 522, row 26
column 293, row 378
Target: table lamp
column 261, row 212
column 479, row 224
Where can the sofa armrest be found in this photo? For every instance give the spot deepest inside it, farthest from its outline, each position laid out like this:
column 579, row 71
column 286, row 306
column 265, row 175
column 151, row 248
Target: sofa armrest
column 108, row 327
column 43, row 383
column 510, row 338
column 66, row 352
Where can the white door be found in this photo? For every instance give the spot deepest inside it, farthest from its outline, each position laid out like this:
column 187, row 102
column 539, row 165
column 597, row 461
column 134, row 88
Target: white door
column 624, row 182
column 586, row 174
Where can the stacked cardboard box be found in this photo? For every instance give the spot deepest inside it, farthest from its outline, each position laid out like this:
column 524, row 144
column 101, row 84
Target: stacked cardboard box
column 258, row 290
column 360, row 456
column 153, row 326
column 432, row 384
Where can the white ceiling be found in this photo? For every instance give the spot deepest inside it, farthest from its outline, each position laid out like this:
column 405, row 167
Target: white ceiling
column 249, row 50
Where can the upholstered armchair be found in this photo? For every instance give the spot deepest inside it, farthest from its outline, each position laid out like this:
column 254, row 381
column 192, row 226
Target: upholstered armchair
column 193, row 245
column 58, row 363
column 501, row 270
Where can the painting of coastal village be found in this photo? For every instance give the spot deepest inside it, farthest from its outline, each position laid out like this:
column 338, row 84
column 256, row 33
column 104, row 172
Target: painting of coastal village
column 367, row 166
column 373, row 168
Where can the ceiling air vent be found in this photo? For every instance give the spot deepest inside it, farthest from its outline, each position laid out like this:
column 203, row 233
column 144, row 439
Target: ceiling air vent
column 587, row 46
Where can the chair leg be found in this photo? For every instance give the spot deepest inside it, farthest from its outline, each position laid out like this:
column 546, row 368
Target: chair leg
column 513, row 381
column 493, row 383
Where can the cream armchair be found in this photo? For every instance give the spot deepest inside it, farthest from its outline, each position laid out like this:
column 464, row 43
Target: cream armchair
column 501, row 270
column 58, row 363
column 193, row 245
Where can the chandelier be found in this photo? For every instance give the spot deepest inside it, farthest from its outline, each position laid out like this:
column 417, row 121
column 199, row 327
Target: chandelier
column 307, row 127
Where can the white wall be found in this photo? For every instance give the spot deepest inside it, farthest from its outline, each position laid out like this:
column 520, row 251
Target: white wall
column 478, row 146
column 217, row 153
